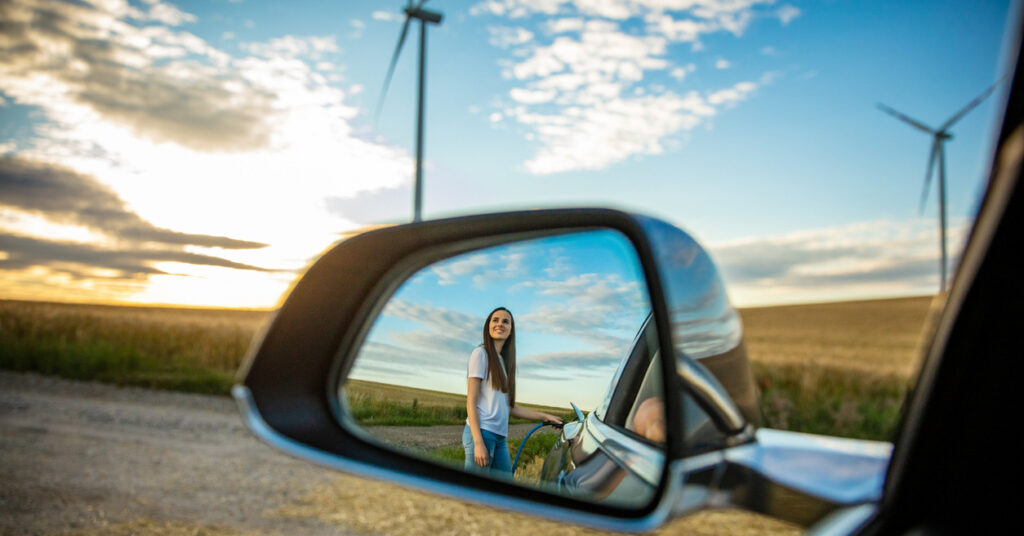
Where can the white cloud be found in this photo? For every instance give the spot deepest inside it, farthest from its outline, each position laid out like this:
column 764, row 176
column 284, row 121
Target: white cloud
column 481, row 269
column 169, row 15
column 769, row 77
column 357, row 28
column 445, row 335
column 596, row 291
column 505, row 37
column 581, row 89
column 572, row 24
column 387, row 16
column 732, row 95
column 614, row 130
column 227, row 36
column 290, row 46
column 723, row 12
column 787, row 13
column 531, row 97
column 199, row 128
column 679, row 73
column 516, row 8
column 685, row 30
column 769, row 51
column 611, row 9
column 876, row 258
column 455, row 324
column 453, row 271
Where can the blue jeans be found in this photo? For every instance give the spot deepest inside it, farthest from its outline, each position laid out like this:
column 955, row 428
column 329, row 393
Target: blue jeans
column 497, row 451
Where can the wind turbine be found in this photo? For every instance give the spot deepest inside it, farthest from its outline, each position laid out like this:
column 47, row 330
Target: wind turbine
column 424, row 16
column 938, row 154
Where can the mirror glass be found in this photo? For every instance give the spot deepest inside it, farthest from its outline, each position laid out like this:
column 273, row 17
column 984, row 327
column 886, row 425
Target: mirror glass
column 573, row 337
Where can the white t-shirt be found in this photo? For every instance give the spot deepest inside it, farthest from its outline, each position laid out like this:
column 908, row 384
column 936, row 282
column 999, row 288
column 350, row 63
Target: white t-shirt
column 492, row 404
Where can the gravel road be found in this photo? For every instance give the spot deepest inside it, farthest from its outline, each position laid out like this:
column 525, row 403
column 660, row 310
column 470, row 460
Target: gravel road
column 84, row 459
column 88, row 456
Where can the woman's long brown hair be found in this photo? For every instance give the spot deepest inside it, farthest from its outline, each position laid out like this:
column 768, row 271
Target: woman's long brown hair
column 502, row 380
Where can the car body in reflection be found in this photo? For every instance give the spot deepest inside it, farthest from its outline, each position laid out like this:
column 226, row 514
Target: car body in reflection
column 603, row 456
column 611, row 456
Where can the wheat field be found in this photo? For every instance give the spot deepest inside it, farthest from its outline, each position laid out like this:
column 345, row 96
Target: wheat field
column 833, row 368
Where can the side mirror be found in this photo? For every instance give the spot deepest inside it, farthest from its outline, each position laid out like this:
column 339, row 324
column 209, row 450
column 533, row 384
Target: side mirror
column 364, row 367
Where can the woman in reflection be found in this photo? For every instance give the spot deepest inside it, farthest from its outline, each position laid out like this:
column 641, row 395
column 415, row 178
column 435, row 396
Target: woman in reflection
column 491, row 396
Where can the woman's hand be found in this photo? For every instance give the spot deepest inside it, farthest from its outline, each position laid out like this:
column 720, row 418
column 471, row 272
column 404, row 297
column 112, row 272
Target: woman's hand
column 548, row 418
column 480, row 454
column 534, row 415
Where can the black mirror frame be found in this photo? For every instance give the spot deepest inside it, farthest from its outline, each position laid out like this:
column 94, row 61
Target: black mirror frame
column 290, row 402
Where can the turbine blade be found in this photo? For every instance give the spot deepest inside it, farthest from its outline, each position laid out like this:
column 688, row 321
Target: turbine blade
column 928, row 173
column 902, row 117
column 971, row 105
column 391, row 68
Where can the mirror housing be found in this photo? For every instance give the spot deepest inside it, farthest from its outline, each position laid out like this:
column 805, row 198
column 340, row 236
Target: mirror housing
column 287, row 387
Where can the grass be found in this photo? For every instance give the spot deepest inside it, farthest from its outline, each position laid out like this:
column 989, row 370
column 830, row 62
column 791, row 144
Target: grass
column 831, row 401
column 376, row 404
column 531, row 459
column 195, row 350
column 836, row 368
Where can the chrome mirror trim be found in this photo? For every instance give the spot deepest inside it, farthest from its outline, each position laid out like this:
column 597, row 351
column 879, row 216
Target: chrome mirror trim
column 839, row 470
column 643, row 459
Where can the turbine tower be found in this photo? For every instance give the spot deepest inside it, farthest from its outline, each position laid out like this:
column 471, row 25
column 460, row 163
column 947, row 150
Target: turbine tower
column 938, row 154
column 424, row 16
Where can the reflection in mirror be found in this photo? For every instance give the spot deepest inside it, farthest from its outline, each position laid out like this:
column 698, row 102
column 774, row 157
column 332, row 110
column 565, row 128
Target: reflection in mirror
column 473, row 354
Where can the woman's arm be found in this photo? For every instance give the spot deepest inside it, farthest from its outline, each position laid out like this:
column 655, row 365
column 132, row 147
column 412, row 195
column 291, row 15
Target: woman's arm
column 533, row 415
column 479, row 448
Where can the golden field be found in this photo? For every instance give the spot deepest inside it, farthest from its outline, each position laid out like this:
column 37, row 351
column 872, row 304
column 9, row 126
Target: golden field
column 836, row 368
column 877, row 337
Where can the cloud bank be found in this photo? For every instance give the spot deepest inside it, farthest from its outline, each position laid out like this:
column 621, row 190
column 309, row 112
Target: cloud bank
column 885, row 257
column 64, row 196
column 152, row 139
column 593, row 92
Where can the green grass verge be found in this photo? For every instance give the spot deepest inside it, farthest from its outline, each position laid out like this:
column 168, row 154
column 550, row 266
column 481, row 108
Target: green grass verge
column 530, row 460
column 378, row 404
column 538, row 445
column 830, row 401
column 369, row 411
column 109, row 362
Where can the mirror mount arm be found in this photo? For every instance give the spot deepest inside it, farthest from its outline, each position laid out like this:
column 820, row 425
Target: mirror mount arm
column 712, row 396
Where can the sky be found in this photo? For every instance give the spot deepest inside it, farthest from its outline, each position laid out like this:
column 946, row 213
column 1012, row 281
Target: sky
column 204, row 153
column 577, row 301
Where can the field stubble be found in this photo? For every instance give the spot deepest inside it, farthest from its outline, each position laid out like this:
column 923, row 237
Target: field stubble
column 835, row 368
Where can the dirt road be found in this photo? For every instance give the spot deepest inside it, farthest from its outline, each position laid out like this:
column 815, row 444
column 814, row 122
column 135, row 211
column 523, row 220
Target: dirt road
column 82, row 458
column 87, row 456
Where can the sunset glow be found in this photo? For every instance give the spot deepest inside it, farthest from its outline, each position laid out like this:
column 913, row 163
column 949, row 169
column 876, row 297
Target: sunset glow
column 198, row 153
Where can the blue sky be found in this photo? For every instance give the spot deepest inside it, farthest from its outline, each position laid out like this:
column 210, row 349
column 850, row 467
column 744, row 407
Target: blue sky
column 578, row 300
column 204, row 152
